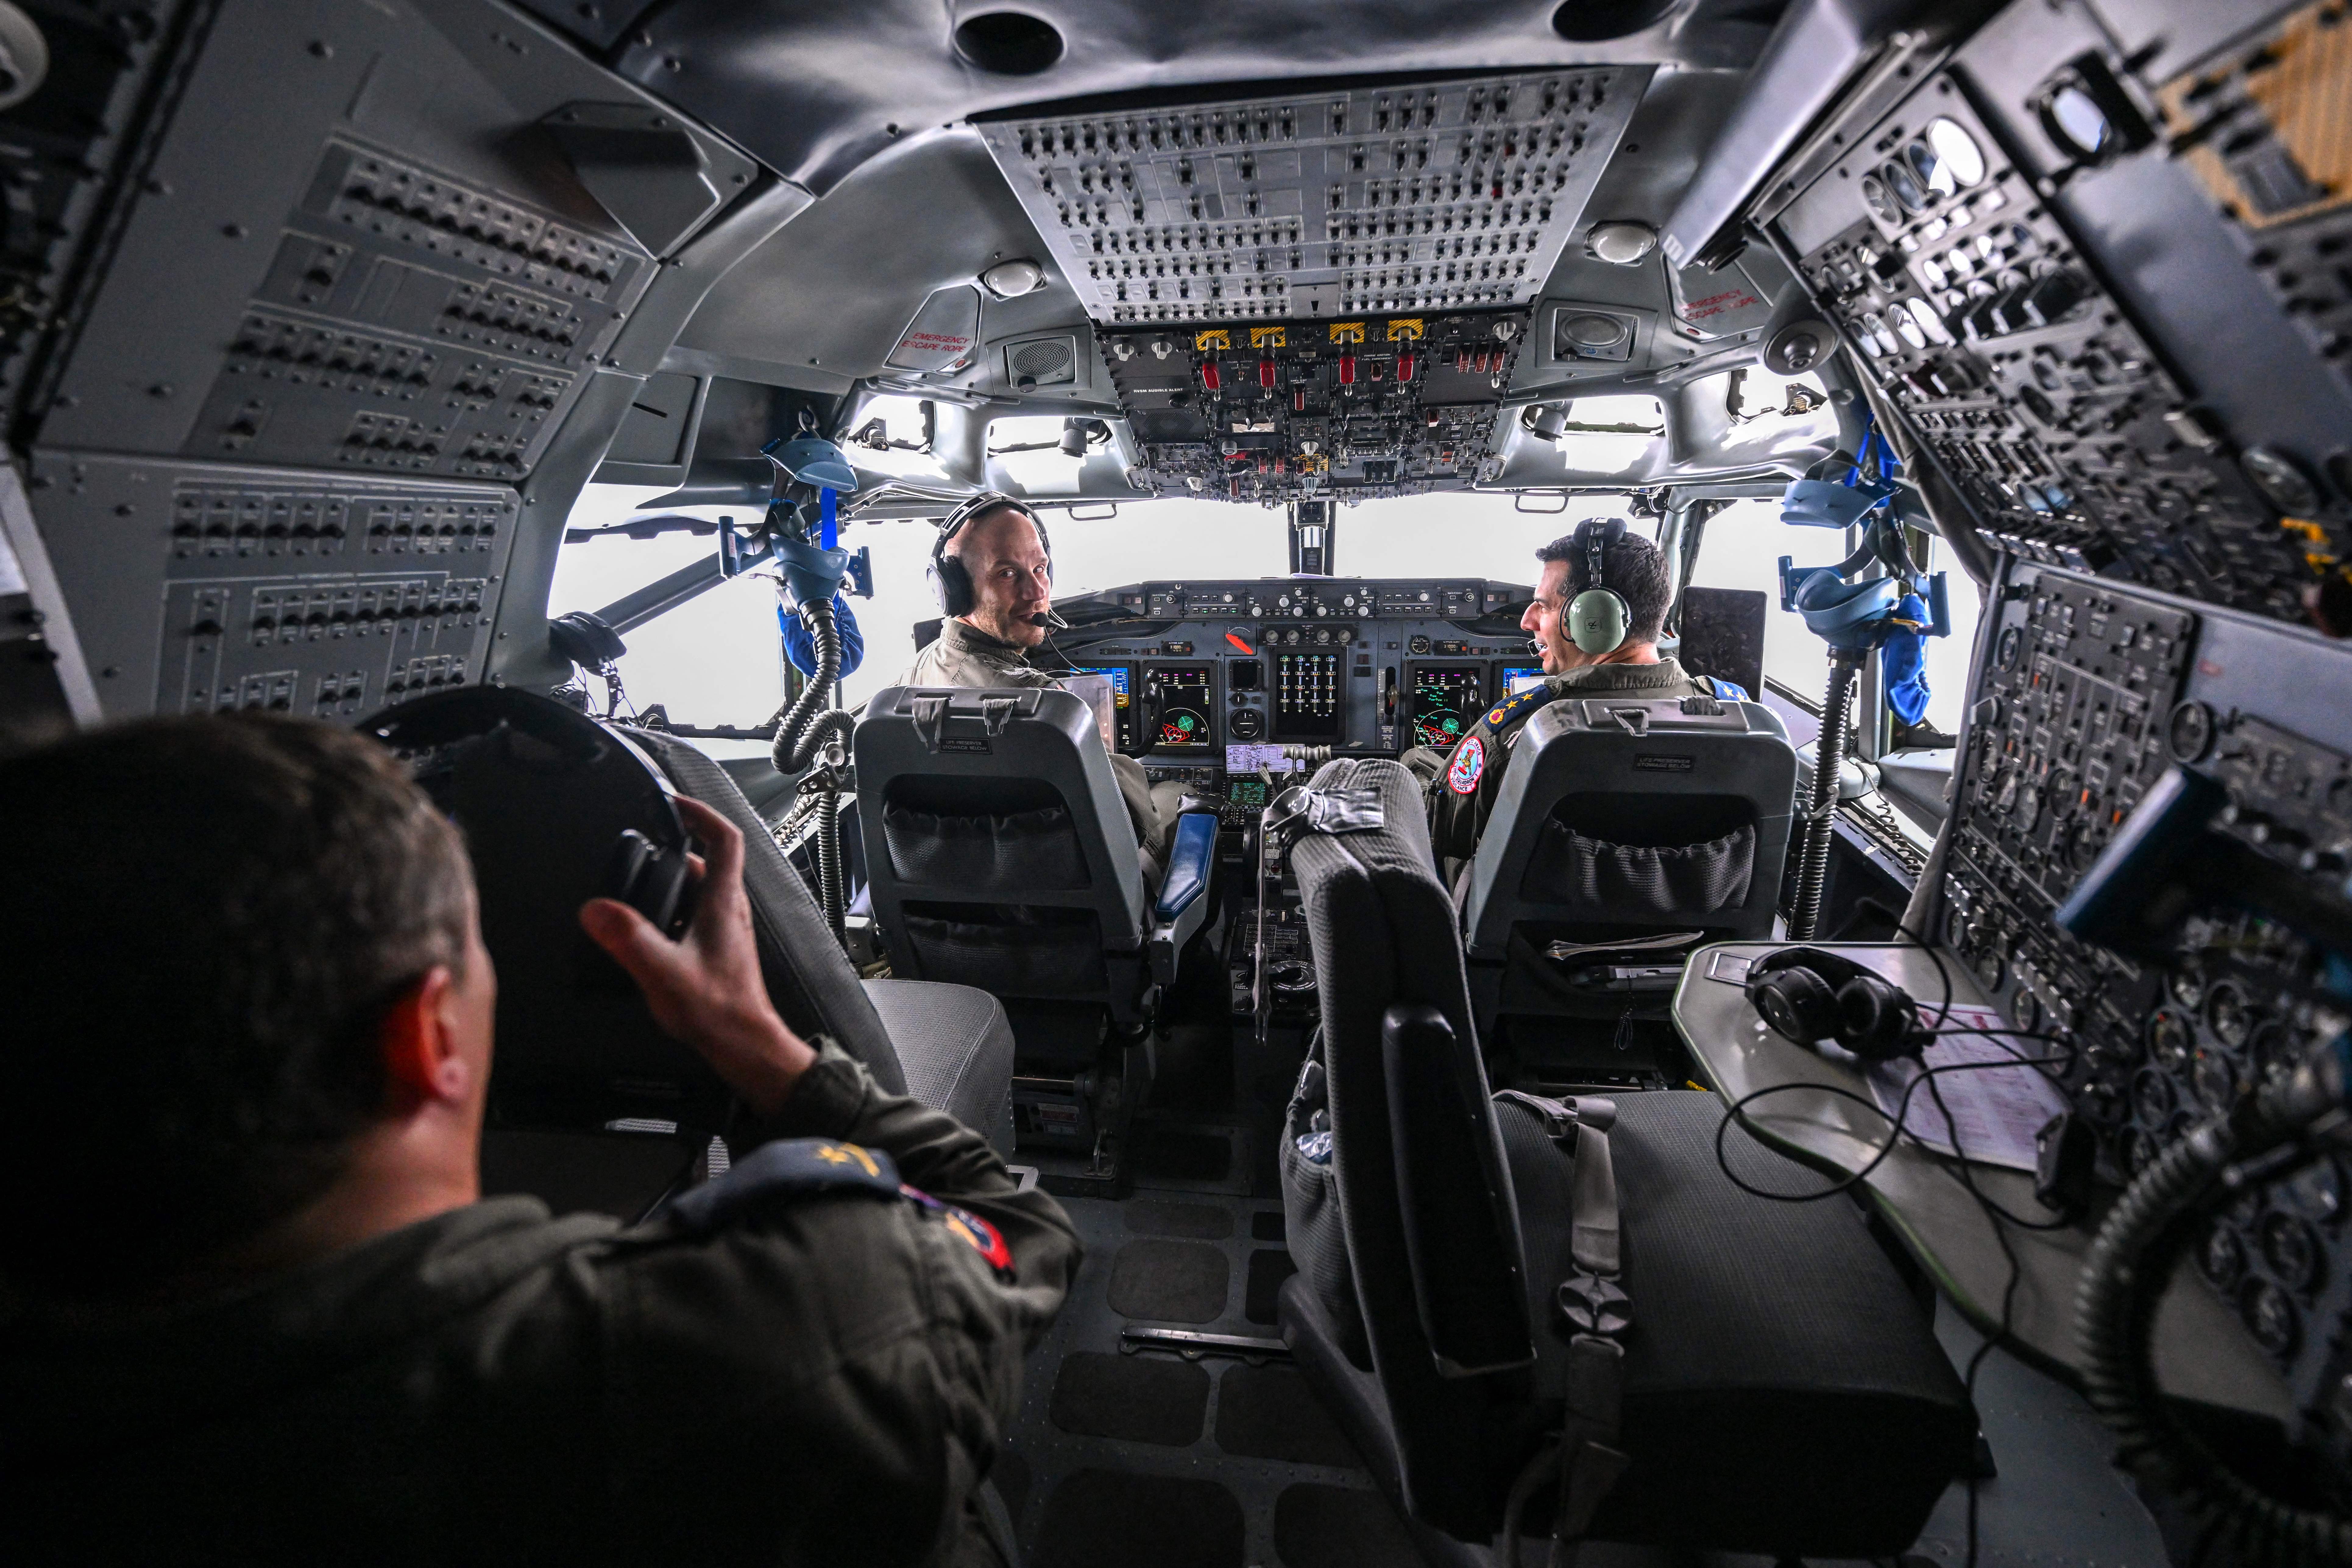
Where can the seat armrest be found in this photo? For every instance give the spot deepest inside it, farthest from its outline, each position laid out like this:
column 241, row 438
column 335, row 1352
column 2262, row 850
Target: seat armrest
column 1183, row 892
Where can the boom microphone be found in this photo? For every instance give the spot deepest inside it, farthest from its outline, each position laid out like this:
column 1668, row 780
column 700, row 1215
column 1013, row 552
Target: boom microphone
column 1050, row 621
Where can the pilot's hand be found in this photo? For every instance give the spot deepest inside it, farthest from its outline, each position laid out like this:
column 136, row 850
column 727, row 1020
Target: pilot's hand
column 705, row 988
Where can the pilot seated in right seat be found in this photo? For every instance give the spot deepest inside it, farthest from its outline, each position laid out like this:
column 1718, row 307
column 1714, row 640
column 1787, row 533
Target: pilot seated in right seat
column 1600, row 607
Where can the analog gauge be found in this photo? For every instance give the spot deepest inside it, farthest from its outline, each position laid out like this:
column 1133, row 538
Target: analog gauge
column 1933, row 272
column 1990, row 968
column 1897, row 178
column 2027, row 1012
column 1929, row 322
column 2271, row 1316
column 1908, row 325
column 2012, row 640
column 2316, row 1192
column 1921, row 160
column 2223, row 1257
column 2216, row 1078
column 1882, row 205
column 2229, row 1014
column 2171, row 1040
column 2188, row 731
column 2151, row 1097
column 2290, row 1248
column 1958, row 159
column 1246, row 724
column 2077, row 123
column 2187, row 983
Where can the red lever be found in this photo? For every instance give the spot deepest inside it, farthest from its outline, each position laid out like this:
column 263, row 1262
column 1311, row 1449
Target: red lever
column 1234, row 638
column 1265, row 373
column 1209, row 375
column 1347, row 370
column 1404, row 367
column 1298, row 399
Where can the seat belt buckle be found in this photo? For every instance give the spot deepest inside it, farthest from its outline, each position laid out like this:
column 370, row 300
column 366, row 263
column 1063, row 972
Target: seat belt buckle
column 1594, row 1305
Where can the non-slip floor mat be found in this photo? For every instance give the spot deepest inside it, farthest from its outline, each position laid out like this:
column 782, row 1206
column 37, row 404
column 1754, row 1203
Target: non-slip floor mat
column 1270, row 1413
column 1268, row 1267
column 1140, row 1399
column 1337, row 1527
column 1200, row 1221
column 1172, row 1282
column 1268, row 1225
column 1104, row 1518
column 1179, row 1156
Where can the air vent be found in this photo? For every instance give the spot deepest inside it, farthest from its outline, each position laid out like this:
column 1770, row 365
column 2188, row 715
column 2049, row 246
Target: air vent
column 1042, row 362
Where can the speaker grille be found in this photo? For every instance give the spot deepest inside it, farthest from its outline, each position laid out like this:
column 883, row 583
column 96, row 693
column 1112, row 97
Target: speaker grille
column 1047, row 362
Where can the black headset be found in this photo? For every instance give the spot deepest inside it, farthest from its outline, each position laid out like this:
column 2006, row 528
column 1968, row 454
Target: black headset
column 1598, row 618
column 952, row 582
column 1810, row 997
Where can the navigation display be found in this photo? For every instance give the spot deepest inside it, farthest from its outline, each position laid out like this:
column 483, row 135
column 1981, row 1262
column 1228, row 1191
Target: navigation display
column 1445, row 703
column 1184, row 710
column 1519, row 678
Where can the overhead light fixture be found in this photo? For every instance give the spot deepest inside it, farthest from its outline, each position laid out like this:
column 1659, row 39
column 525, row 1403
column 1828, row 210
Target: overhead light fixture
column 1011, row 280
column 1621, row 244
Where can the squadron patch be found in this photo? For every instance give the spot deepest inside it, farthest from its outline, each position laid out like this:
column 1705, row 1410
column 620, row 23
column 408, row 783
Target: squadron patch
column 969, row 1227
column 1469, row 764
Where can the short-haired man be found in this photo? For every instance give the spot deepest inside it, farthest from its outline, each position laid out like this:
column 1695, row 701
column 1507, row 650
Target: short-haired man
column 989, row 645
column 252, row 1307
column 1467, row 781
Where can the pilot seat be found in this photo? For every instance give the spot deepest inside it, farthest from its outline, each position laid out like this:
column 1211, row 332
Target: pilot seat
column 999, row 854
column 1488, row 1282
column 1627, row 834
column 592, row 1107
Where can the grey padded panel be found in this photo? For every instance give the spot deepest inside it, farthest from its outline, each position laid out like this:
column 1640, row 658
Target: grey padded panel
column 962, row 1063
column 1774, row 1344
column 1664, row 758
column 1010, row 921
column 808, row 977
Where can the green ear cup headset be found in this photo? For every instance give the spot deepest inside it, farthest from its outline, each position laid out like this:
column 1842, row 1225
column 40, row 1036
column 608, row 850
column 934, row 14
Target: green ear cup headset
column 1597, row 618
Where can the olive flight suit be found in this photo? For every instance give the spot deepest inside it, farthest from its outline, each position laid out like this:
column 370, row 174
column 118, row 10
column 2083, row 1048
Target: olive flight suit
column 965, row 656
column 1467, row 781
column 800, row 1362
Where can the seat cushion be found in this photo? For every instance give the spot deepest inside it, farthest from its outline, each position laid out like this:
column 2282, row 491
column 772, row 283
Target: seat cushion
column 955, row 1049
column 1776, row 1353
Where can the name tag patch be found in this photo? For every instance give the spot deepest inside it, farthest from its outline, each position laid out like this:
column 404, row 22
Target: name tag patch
column 1468, row 766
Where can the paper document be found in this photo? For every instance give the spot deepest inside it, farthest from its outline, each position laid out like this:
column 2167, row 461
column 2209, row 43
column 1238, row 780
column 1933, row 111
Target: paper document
column 1997, row 1109
column 1094, row 691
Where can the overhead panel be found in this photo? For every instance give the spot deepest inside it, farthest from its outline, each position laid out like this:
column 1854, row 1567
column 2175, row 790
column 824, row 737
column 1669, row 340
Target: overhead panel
column 1429, row 196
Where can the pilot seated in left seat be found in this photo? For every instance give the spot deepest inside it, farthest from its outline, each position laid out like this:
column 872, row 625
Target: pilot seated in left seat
column 993, row 571
column 1599, row 610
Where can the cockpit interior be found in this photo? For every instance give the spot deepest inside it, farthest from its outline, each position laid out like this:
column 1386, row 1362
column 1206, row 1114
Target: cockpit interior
column 1883, row 1097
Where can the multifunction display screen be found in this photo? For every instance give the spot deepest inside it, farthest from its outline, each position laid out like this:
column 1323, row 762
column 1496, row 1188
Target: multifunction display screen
column 1114, row 673
column 1445, row 703
column 1184, row 708
column 1519, row 678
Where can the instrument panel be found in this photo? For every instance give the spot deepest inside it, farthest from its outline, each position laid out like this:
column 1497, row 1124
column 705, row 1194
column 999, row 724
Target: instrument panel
column 1242, row 669
column 2088, row 691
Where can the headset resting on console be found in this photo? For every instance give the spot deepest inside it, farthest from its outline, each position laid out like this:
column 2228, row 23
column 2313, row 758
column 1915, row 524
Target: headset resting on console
column 1811, row 995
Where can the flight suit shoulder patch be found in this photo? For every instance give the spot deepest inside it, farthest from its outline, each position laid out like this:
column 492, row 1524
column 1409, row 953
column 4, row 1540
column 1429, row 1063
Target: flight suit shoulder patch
column 1469, row 764
column 1510, row 708
column 785, row 1167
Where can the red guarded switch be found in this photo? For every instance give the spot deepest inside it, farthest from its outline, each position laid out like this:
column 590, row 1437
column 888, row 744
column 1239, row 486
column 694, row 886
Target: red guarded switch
column 1265, row 373
column 1347, row 370
column 1209, row 375
column 1405, row 365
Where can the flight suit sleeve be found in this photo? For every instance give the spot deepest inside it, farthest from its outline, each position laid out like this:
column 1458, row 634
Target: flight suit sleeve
column 832, row 1372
